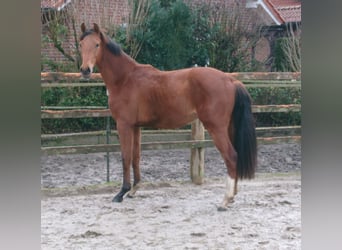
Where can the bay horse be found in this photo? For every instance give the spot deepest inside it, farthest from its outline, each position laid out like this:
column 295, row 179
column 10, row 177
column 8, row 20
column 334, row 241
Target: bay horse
column 143, row 96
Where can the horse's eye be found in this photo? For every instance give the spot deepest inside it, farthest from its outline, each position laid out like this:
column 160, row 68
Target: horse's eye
column 97, row 45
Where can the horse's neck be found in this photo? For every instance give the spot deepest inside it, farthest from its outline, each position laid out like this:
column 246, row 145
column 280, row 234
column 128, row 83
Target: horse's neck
column 115, row 68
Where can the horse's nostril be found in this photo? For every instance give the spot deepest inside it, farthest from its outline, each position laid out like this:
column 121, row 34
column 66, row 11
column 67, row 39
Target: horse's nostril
column 85, row 71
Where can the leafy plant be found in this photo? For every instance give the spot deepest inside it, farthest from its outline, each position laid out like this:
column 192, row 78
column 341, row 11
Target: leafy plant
column 68, row 97
column 288, row 50
column 276, row 95
column 168, row 36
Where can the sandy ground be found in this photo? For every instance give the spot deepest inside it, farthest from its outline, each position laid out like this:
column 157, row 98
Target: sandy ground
column 162, row 165
column 169, row 212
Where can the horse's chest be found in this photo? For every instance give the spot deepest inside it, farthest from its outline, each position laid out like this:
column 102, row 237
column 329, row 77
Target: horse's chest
column 117, row 107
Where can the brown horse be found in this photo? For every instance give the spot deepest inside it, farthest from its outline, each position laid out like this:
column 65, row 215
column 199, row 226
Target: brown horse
column 141, row 95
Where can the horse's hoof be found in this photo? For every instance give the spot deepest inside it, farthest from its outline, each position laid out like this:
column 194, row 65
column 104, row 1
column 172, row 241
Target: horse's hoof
column 222, row 209
column 117, row 199
column 130, row 196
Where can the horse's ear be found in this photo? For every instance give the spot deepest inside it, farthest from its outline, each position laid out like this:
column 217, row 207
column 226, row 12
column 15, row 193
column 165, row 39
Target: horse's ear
column 98, row 31
column 83, row 27
column 97, row 28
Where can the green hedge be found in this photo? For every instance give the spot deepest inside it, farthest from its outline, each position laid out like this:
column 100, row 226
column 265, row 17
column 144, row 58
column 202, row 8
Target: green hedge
column 73, row 96
column 273, row 96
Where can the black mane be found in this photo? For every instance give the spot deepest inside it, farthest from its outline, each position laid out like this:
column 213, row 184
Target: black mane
column 86, row 33
column 113, row 47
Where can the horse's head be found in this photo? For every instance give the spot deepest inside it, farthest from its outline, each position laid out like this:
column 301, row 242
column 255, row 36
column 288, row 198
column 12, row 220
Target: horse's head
column 90, row 46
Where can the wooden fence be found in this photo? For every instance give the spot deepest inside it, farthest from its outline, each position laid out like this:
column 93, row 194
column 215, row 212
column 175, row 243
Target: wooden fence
column 196, row 138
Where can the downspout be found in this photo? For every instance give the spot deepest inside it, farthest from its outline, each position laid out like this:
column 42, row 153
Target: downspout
column 263, row 5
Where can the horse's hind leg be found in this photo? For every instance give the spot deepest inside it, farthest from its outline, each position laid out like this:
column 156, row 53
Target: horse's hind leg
column 222, row 142
column 231, row 137
column 136, row 162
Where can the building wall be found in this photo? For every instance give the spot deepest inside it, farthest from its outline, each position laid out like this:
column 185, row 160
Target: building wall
column 106, row 13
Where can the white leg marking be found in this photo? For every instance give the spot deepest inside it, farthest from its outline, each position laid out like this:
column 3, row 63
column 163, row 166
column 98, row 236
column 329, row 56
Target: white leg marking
column 229, row 195
column 133, row 190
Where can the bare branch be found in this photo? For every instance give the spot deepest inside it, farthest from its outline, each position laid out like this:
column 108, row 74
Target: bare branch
column 240, row 32
column 136, row 21
column 292, row 47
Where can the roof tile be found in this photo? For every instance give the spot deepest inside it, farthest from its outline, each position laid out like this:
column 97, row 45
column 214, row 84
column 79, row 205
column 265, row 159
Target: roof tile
column 288, row 10
column 53, row 4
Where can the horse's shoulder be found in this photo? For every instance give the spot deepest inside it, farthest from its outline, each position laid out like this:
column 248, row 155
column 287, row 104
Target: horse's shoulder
column 146, row 70
column 143, row 74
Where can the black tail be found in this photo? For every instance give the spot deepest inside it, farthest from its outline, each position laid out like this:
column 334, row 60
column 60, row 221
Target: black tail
column 244, row 142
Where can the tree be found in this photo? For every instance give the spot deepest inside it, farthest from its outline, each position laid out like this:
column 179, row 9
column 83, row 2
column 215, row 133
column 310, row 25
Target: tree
column 292, row 48
column 288, row 50
column 234, row 33
column 132, row 34
column 62, row 27
column 168, row 37
column 56, row 27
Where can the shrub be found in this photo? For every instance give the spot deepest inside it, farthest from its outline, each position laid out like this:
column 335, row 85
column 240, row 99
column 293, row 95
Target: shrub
column 278, row 95
column 76, row 96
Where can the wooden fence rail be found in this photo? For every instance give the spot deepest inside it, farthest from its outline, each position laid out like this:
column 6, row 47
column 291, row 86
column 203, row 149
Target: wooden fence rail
column 196, row 139
column 88, row 112
column 163, row 145
column 49, row 77
column 100, row 137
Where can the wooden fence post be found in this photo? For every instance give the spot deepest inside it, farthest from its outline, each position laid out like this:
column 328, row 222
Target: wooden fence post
column 197, row 154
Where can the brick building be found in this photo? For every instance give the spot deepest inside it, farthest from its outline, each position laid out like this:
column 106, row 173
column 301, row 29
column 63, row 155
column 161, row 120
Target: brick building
column 102, row 12
column 275, row 14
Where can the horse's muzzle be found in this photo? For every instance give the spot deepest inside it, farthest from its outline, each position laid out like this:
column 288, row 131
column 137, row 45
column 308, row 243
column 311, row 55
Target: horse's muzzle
column 86, row 72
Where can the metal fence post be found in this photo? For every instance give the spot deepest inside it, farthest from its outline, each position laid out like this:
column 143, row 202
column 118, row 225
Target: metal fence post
column 107, row 138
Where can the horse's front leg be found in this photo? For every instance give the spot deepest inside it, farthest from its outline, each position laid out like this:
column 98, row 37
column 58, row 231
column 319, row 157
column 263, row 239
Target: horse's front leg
column 126, row 142
column 136, row 161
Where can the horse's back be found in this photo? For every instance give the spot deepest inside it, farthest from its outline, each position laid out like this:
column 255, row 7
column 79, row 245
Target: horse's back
column 202, row 87
column 212, row 83
column 211, row 77
column 163, row 98
column 170, row 99
column 214, row 95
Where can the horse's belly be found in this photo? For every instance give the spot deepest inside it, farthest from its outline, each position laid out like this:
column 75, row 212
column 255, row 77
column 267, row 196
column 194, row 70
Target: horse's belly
column 176, row 121
column 172, row 111
column 168, row 120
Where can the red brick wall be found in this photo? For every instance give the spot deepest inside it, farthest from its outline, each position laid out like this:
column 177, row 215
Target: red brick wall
column 106, row 13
